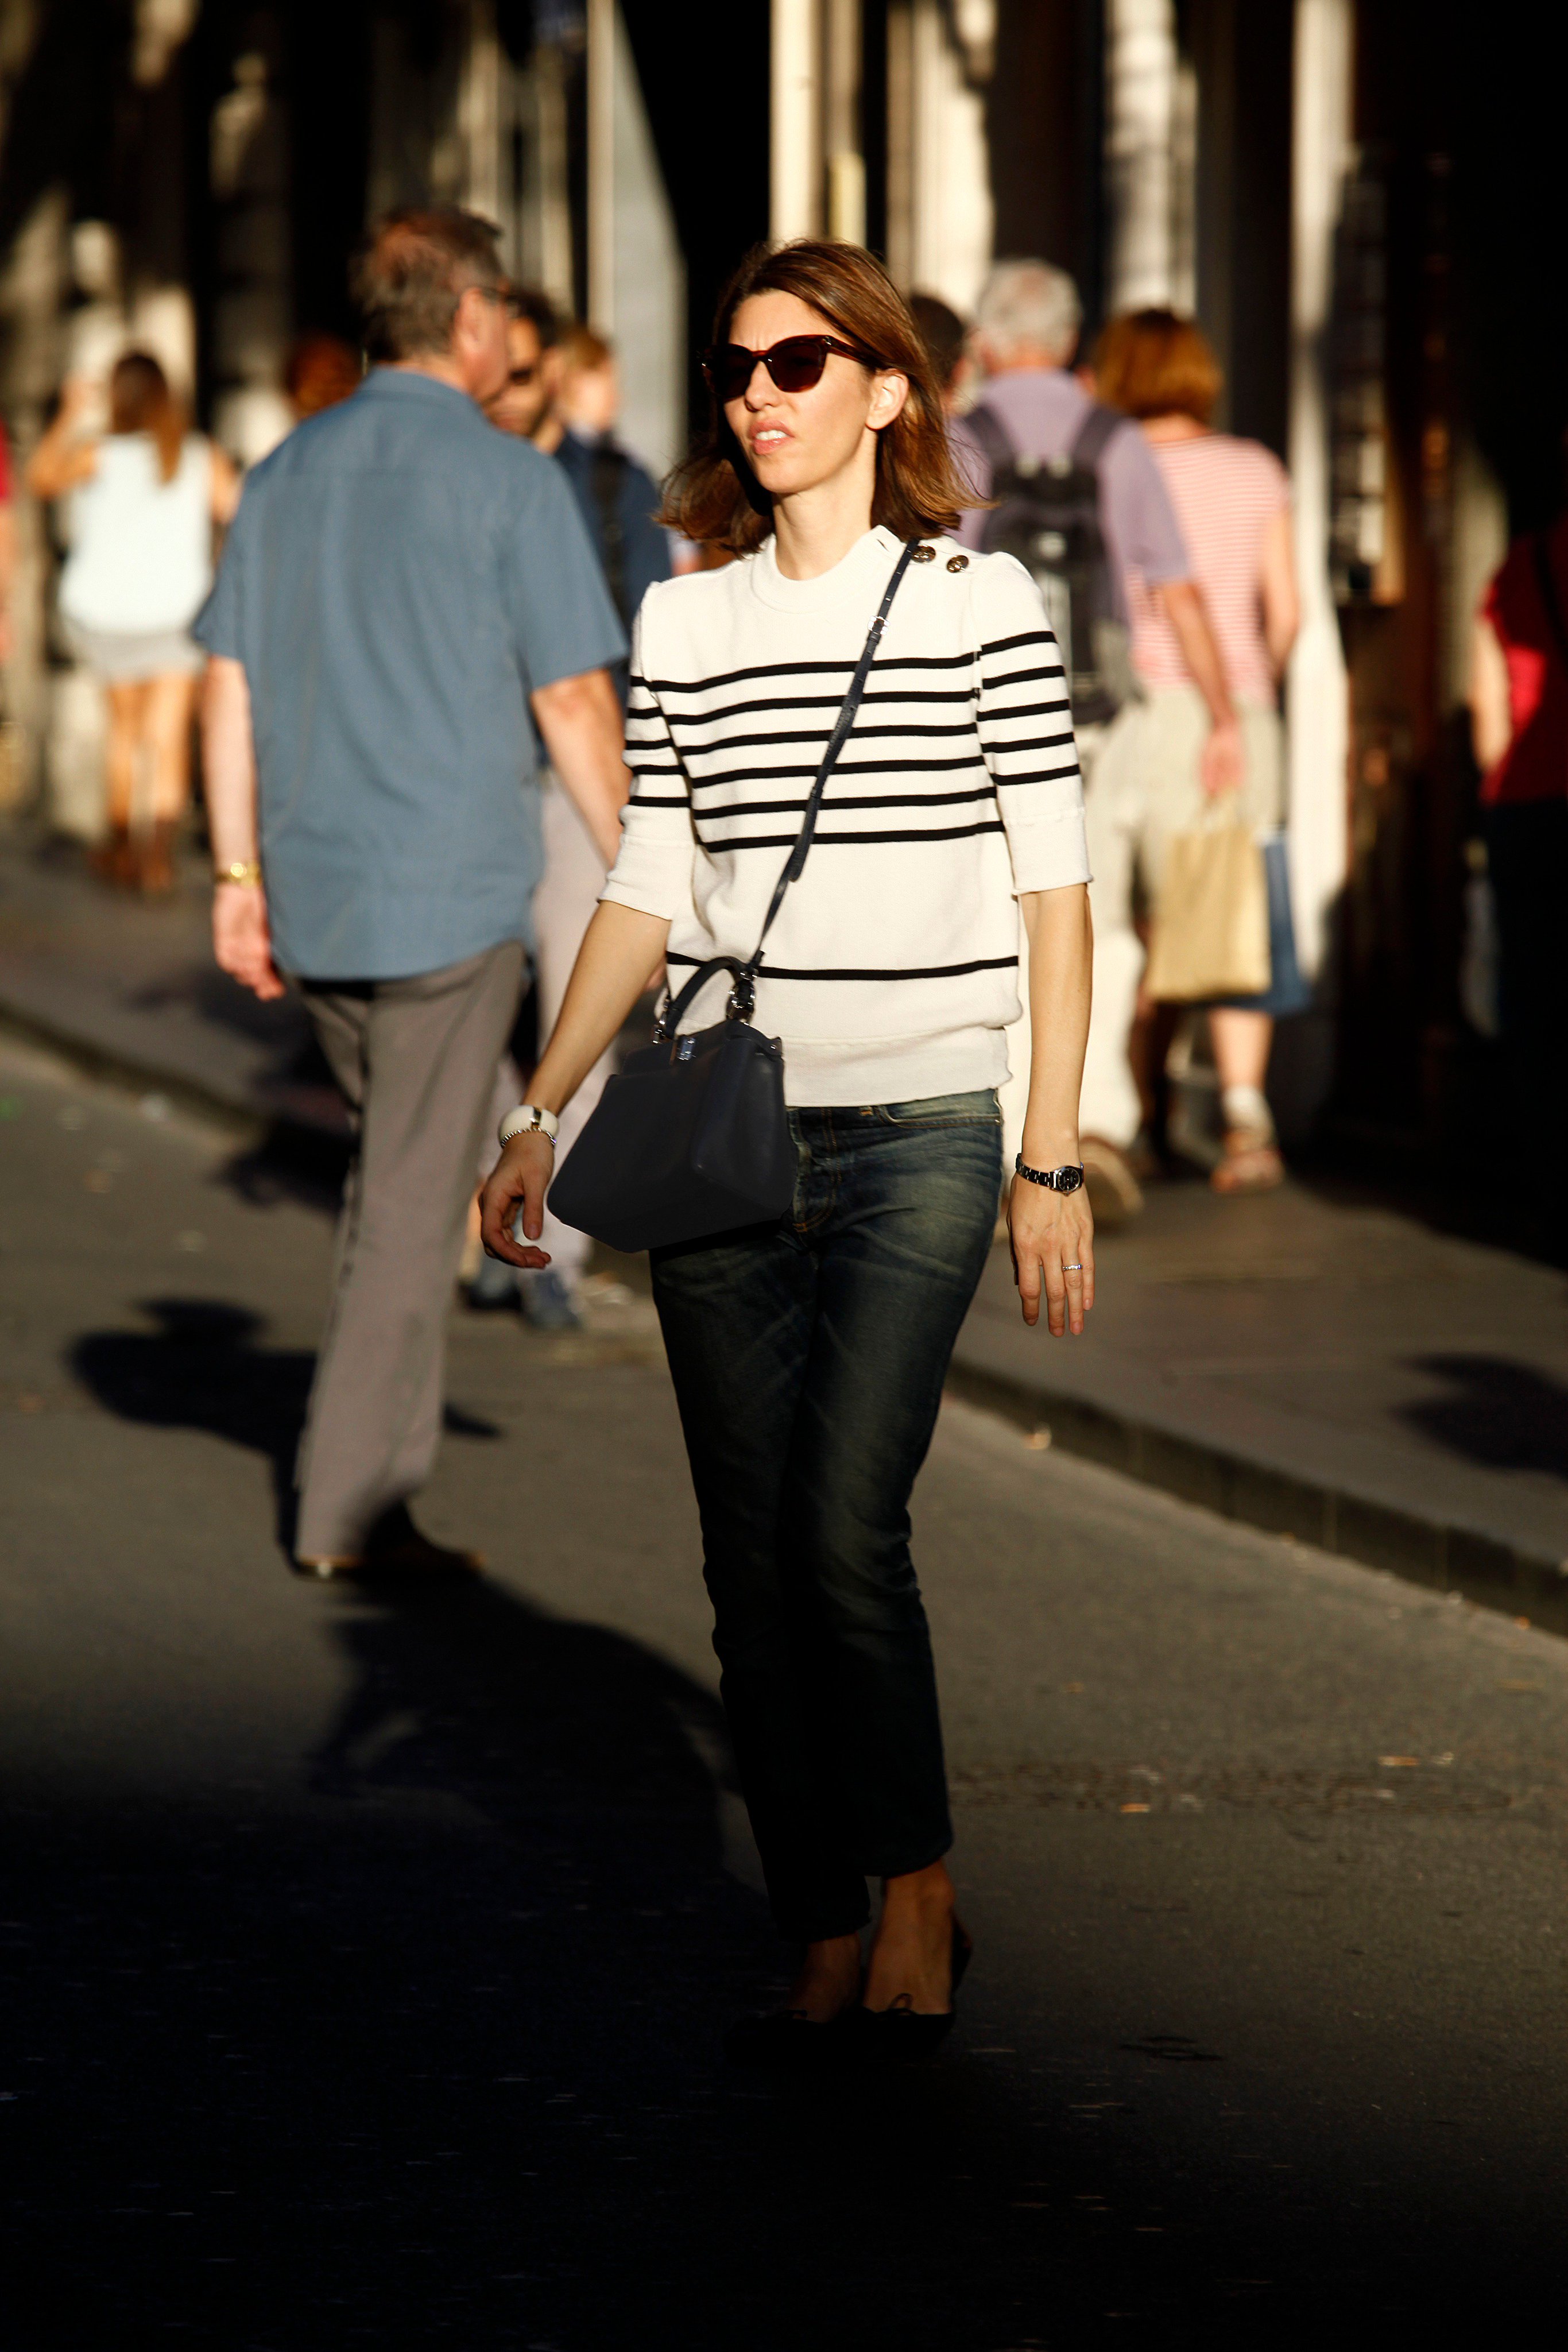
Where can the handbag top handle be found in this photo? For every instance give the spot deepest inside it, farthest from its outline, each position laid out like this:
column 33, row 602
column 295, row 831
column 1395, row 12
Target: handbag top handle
column 743, row 996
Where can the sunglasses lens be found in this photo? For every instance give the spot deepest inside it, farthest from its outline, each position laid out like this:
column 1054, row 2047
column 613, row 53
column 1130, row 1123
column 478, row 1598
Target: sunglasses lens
column 796, row 364
column 729, row 367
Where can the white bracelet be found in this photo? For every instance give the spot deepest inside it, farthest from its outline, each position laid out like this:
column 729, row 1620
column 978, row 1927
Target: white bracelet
column 528, row 1119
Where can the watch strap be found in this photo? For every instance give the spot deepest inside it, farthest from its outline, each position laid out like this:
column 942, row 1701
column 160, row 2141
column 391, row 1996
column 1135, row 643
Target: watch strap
column 527, row 1120
column 1052, row 1178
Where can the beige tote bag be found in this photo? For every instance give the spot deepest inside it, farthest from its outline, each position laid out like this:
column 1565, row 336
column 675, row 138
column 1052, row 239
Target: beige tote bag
column 1211, row 918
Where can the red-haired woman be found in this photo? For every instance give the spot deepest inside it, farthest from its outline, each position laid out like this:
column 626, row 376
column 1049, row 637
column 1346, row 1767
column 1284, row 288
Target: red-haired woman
column 1232, row 499
column 144, row 501
column 809, row 1356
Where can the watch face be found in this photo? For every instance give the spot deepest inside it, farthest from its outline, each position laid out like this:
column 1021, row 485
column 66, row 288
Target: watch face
column 1068, row 1179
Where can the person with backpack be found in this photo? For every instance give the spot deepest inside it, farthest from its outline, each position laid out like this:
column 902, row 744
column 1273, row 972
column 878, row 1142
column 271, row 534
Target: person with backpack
column 1073, row 491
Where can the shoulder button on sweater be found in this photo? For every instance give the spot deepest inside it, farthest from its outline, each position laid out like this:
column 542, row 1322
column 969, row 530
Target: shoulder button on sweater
column 958, row 563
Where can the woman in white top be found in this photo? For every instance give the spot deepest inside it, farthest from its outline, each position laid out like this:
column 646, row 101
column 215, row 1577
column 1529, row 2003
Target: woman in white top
column 144, row 503
column 809, row 1356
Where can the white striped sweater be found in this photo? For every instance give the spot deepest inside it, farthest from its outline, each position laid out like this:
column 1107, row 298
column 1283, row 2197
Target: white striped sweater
column 892, row 970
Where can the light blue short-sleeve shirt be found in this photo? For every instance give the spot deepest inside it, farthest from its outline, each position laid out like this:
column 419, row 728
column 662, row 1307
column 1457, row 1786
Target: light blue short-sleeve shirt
column 399, row 579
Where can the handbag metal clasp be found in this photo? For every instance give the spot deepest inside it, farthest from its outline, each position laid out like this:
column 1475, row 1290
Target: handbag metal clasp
column 742, row 1000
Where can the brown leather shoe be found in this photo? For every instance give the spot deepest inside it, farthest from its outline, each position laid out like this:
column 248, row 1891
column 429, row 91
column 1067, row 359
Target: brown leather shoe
column 411, row 1556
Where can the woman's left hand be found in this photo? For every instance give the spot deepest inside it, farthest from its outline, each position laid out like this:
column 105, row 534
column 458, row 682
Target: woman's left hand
column 1052, row 1236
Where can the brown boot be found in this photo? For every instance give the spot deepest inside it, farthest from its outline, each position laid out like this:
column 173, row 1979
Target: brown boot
column 114, row 860
column 157, row 864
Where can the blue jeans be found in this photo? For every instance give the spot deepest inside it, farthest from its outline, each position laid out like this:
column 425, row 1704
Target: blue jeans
column 808, row 1358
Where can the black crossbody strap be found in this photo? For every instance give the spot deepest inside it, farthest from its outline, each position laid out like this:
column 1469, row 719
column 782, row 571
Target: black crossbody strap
column 795, row 860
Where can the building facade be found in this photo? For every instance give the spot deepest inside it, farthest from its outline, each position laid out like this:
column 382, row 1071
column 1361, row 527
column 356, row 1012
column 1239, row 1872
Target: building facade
column 1350, row 193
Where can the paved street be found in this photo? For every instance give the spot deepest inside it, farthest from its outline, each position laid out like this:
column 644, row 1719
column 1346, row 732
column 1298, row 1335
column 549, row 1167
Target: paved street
column 368, row 1958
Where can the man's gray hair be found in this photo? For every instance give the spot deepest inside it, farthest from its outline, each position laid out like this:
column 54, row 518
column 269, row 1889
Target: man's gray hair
column 1028, row 305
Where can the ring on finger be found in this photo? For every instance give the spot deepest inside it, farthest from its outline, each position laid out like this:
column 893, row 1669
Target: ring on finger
column 1073, row 1269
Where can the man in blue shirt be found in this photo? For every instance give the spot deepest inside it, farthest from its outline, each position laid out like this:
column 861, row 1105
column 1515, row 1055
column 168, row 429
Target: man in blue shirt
column 407, row 612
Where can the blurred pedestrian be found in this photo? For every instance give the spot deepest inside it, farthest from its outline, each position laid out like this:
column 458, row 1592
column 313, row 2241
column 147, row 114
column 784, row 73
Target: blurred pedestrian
column 321, row 369
column 1519, row 716
column 809, row 1353
column 406, row 596
column 524, row 404
column 946, row 341
column 1082, row 503
column 1232, row 501
column 618, row 497
column 618, row 502
column 146, row 498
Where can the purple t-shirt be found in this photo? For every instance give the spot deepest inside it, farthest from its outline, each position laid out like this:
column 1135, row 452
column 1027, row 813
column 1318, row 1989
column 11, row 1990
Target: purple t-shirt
column 1041, row 410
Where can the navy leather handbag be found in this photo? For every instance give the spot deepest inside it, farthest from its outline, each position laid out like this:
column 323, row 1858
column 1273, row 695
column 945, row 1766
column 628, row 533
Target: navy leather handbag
column 691, row 1136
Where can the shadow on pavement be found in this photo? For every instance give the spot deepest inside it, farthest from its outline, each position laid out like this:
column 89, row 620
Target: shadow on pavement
column 205, row 1369
column 428, row 2050
column 1509, row 1416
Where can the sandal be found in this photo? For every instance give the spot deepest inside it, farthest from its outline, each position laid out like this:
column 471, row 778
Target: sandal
column 1251, row 1163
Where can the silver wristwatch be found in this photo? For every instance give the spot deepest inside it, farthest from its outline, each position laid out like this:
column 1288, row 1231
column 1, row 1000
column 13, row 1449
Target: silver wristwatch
column 1055, row 1179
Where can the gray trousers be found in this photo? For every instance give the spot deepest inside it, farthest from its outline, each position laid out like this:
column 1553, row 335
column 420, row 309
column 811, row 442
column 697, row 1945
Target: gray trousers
column 416, row 1059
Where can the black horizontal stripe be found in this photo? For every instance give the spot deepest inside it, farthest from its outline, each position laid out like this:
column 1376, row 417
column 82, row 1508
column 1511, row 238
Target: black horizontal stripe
column 1022, row 677
column 1035, row 743
column 822, row 702
column 1006, row 645
column 855, row 840
column 844, row 768
column 1037, row 776
column 884, row 661
column 646, row 800
column 836, row 807
column 925, row 971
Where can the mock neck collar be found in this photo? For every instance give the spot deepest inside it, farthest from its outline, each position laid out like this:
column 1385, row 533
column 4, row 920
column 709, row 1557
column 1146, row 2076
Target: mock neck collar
column 869, row 561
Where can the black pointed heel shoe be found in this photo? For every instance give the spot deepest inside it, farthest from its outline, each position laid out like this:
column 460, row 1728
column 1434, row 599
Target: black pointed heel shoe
column 901, row 2036
column 786, row 2040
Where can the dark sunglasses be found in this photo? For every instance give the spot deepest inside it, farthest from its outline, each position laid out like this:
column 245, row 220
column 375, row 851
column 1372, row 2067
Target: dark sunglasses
column 795, row 365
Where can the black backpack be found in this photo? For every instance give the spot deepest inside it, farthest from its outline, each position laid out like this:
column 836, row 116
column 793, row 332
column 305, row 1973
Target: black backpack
column 1047, row 513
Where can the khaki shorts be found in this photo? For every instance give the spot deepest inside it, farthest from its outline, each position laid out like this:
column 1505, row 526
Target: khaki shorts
column 1145, row 780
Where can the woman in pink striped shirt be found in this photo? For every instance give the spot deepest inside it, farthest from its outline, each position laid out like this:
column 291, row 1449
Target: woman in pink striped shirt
column 1232, row 499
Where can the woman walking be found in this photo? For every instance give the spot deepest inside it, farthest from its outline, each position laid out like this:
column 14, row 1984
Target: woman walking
column 809, row 1355
column 1232, row 499
column 144, row 503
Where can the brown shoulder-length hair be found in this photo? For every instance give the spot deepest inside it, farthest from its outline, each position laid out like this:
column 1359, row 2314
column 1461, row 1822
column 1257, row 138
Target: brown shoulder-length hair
column 714, row 496
column 1157, row 363
column 139, row 401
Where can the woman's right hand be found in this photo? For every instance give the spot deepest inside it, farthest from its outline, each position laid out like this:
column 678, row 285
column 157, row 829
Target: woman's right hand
column 520, row 1178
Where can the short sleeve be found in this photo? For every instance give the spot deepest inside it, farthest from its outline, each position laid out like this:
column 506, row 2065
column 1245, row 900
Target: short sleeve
column 652, row 873
column 218, row 627
column 1025, row 720
column 1139, row 512
column 562, row 618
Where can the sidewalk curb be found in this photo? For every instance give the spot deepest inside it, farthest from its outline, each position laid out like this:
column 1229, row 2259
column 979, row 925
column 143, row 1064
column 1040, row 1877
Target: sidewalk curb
column 1430, row 1552
column 247, row 1123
